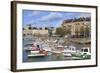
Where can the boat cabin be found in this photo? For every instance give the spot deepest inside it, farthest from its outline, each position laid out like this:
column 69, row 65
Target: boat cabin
column 86, row 50
column 70, row 49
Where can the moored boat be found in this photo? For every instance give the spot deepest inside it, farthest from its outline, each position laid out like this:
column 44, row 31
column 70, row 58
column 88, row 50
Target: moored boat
column 56, row 52
column 36, row 55
column 66, row 54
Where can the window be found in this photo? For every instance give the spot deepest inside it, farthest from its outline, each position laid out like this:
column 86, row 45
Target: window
column 73, row 49
column 82, row 50
column 85, row 50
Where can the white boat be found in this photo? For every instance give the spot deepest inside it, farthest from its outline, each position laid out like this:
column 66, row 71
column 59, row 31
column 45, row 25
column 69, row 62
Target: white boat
column 34, row 52
column 85, row 50
column 56, row 52
column 36, row 55
column 67, row 54
column 47, row 49
column 66, row 47
column 72, row 49
column 60, row 46
column 69, row 50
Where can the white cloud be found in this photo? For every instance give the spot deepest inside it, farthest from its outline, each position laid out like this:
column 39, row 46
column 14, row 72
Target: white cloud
column 29, row 22
column 51, row 16
column 35, row 13
column 84, row 15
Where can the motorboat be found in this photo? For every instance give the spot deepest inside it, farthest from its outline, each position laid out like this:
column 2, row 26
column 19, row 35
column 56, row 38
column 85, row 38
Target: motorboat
column 56, row 52
column 72, row 49
column 34, row 52
column 85, row 53
column 69, row 50
column 36, row 55
column 47, row 49
column 66, row 54
column 85, row 50
column 60, row 47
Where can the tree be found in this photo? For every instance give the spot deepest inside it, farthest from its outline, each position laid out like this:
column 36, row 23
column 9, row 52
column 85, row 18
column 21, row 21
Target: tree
column 61, row 31
column 50, row 31
column 68, row 31
column 82, row 31
column 23, row 28
column 76, row 33
column 87, row 31
column 30, row 27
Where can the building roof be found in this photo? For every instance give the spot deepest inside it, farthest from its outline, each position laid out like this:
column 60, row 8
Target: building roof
column 77, row 19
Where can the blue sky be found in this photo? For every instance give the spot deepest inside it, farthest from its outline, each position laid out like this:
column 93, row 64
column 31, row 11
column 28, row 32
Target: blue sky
column 48, row 18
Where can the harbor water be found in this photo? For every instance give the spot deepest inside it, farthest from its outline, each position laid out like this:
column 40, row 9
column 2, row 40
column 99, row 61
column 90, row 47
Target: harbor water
column 52, row 57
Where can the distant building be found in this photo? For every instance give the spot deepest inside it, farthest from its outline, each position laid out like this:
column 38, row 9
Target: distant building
column 36, row 31
column 27, row 31
column 77, row 26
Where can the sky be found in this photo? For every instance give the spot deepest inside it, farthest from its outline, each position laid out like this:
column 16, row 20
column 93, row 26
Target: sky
column 48, row 18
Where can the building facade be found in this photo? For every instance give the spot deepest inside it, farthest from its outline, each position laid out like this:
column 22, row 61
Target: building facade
column 37, row 31
column 78, row 27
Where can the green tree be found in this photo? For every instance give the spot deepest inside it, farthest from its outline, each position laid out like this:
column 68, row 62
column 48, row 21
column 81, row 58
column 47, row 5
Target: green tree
column 68, row 31
column 50, row 30
column 23, row 28
column 82, row 31
column 30, row 27
column 77, row 33
column 61, row 31
column 87, row 31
